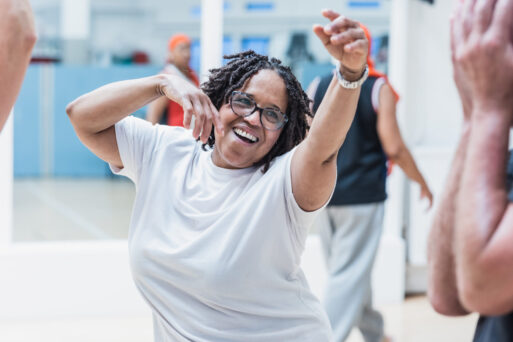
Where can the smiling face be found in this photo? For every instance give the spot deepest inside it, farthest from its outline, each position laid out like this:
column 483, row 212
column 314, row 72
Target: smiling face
column 246, row 141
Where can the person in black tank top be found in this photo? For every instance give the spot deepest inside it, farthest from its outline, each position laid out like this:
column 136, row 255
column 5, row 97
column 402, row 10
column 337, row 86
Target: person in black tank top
column 470, row 243
column 353, row 219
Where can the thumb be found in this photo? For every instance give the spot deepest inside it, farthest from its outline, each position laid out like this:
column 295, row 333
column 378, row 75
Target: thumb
column 319, row 32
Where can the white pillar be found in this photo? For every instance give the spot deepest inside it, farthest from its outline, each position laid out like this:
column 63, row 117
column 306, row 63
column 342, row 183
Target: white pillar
column 211, row 36
column 398, row 46
column 75, row 27
column 6, row 179
column 398, row 61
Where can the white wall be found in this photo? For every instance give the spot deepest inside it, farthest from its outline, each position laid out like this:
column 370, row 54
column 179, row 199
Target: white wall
column 429, row 111
column 122, row 26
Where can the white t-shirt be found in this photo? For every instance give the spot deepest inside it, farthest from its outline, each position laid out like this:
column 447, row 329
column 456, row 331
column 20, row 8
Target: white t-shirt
column 216, row 252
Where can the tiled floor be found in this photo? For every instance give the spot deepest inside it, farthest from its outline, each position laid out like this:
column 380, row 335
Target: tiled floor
column 71, row 209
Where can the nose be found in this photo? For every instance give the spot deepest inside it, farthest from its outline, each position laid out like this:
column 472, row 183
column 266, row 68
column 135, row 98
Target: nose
column 254, row 118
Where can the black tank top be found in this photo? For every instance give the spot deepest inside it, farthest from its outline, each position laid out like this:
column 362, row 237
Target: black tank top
column 361, row 162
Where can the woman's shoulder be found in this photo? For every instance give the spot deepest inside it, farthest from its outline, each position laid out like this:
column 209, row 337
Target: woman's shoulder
column 282, row 162
column 175, row 136
column 160, row 136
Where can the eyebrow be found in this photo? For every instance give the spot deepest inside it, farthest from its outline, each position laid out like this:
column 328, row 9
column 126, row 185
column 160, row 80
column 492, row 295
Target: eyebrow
column 270, row 106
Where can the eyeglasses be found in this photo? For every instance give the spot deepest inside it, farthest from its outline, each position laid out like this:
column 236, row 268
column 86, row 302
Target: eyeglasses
column 243, row 105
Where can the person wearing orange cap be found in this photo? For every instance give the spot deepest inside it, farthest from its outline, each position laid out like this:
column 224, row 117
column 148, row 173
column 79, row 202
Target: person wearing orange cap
column 179, row 47
column 352, row 225
column 17, row 38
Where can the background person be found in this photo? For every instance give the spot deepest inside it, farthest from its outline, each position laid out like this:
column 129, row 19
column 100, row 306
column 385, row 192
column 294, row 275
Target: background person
column 470, row 254
column 17, row 38
column 217, row 231
column 178, row 60
column 352, row 230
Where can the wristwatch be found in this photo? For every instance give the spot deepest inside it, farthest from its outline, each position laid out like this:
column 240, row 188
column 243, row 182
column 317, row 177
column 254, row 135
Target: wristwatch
column 351, row 85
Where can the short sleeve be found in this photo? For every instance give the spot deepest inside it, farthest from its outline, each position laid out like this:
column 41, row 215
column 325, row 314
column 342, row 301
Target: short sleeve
column 301, row 219
column 136, row 139
column 380, row 82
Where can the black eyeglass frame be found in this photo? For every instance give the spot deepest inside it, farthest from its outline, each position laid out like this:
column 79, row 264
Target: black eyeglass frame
column 260, row 110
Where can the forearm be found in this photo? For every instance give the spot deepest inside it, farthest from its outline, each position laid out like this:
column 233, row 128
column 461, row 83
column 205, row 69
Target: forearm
column 482, row 203
column 17, row 26
column 98, row 110
column 332, row 121
column 405, row 161
column 17, row 38
column 442, row 289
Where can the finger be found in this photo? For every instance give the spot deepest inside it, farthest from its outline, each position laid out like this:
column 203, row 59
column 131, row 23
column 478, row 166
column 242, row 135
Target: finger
column 454, row 38
column 187, row 112
column 339, row 25
column 330, row 14
column 502, row 20
column 319, row 32
column 217, row 119
column 360, row 46
column 207, row 126
column 347, row 36
column 200, row 118
column 457, row 24
column 484, row 13
column 468, row 16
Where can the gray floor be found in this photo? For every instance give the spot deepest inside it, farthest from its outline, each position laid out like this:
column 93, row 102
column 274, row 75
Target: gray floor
column 71, row 209
column 411, row 321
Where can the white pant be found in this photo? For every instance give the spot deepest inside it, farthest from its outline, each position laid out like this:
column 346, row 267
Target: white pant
column 350, row 236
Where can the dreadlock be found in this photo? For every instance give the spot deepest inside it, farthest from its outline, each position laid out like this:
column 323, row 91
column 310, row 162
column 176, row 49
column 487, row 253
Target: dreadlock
column 241, row 67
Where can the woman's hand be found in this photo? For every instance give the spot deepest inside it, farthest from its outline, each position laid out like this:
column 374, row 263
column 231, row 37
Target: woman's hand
column 346, row 42
column 194, row 103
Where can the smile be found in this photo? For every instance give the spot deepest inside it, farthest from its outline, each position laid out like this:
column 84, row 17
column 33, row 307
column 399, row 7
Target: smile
column 245, row 136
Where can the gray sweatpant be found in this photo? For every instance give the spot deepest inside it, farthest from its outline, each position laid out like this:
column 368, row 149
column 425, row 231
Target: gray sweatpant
column 350, row 236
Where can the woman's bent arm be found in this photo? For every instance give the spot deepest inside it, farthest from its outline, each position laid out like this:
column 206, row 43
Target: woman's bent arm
column 94, row 114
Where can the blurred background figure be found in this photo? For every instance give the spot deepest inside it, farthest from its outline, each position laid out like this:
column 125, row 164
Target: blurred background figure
column 17, row 38
column 352, row 229
column 178, row 61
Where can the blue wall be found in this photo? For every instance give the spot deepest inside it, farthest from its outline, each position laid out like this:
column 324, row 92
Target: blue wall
column 69, row 158
column 26, row 156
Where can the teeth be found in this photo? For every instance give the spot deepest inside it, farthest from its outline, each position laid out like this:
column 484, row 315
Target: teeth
column 245, row 134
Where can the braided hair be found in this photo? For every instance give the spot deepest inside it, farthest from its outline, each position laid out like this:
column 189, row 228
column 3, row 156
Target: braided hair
column 241, row 67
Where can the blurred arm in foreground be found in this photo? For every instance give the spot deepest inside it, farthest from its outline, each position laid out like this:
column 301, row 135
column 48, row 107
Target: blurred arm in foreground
column 470, row 254
column 17, row 38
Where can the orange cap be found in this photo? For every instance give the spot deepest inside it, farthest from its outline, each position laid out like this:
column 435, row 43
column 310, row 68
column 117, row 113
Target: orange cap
column 178, row 39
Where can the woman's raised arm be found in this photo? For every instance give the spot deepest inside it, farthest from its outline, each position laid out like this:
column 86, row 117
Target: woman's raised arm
column 314, row 168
